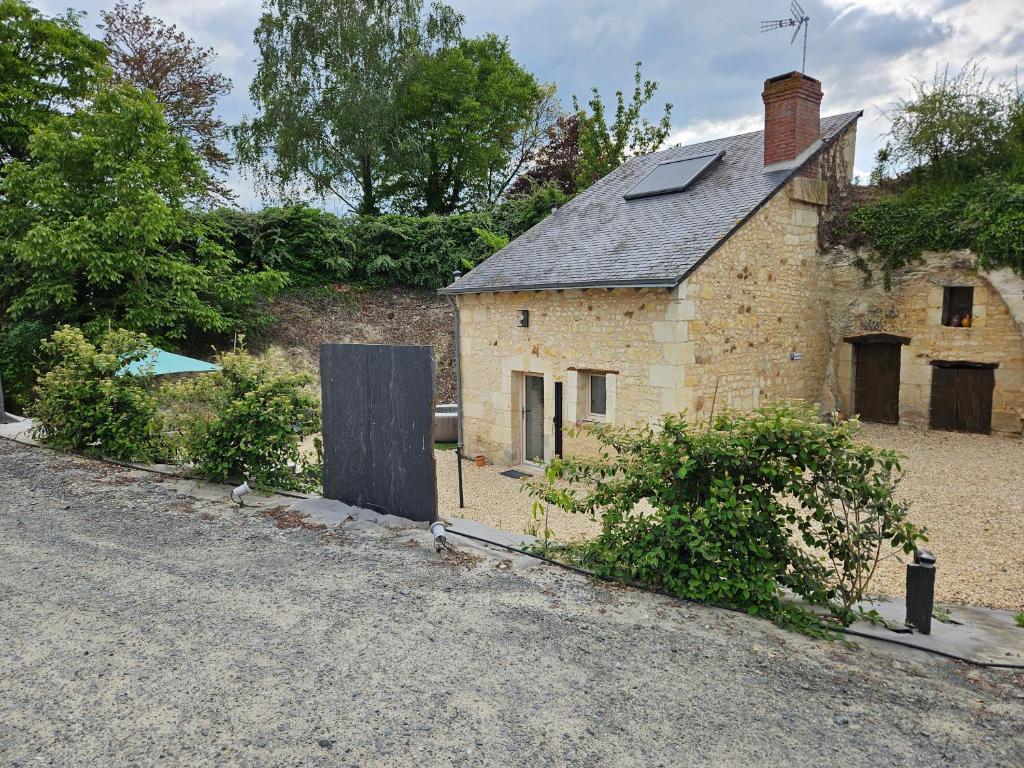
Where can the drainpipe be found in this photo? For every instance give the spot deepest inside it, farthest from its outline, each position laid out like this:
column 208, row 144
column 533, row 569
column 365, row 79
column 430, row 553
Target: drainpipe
column 458, row 387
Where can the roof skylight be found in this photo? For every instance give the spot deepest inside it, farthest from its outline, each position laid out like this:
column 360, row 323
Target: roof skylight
column 673, row 176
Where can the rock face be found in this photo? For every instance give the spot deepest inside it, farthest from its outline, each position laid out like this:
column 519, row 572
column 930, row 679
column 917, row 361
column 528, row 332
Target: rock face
column 352, row 315
column 913, row 309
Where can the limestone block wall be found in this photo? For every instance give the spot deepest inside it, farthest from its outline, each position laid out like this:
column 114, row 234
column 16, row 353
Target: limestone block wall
column 913, row 308
column 727, row 335
column 635, row 336
column 756, row 306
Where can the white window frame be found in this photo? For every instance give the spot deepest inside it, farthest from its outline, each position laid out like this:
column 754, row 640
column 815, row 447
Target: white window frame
column 591, row 415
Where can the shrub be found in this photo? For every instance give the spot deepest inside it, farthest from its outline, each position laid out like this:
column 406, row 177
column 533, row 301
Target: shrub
column 19, row 357
column 757, row 503
column 984, row 216
column 83, row 403
column 315, row 247
column 248, row 420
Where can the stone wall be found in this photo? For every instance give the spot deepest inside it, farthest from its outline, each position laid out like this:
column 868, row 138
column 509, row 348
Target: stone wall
column 633, row 335
column 913, row 308
column 756, row 307
column 731, row 328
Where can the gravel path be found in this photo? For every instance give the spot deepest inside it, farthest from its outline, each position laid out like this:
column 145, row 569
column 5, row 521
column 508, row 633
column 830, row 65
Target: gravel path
column 966, row 489
column 144, row 628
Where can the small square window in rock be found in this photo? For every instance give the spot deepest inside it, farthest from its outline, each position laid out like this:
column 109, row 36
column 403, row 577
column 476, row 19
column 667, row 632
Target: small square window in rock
column 958, row 306
column 524, row 318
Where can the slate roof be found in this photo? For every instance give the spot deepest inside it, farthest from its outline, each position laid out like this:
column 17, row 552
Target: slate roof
column 599, row 239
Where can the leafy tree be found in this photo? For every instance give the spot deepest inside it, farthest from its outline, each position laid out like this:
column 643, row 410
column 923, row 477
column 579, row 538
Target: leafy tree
column 555, row 162
column 604, row 147
column 465, row 108
column 97, row 231
column 326, row 90
column 952, row 173
column 953, row 128
column 149, row 54
column 527, row 142
column 47, row 66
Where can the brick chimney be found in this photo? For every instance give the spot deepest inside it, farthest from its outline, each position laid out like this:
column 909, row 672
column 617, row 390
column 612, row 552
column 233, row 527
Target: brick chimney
column 792, row 114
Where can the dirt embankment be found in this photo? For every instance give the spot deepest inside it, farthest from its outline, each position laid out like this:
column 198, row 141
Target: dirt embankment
column 304, row 321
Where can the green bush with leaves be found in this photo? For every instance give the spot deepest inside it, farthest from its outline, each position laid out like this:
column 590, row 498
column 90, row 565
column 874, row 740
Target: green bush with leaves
column 20, row 343
column 97, row 232
column 952, row 171
column 317, row 248
column 85, row 403
column 756, row 504
column 247, row 421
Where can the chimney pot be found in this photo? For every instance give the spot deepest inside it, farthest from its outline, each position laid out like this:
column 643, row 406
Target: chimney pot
column 792, row 116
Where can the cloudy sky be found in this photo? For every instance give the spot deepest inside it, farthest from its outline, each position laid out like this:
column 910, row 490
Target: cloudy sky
column 708, row 55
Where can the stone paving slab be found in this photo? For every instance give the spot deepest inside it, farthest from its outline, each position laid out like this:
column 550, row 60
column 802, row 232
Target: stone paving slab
column 982, row 634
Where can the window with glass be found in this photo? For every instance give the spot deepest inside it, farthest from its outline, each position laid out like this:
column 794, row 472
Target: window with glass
column 598, row 395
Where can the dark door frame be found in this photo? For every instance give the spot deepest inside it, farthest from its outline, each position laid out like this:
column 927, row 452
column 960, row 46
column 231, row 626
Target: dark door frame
column 558, row 419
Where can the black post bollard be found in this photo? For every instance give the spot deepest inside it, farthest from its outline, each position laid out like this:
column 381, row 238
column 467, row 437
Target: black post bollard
column 921, row 591
column 458, row 464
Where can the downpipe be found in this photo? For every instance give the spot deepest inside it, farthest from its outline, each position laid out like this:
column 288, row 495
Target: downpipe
column 457, row 351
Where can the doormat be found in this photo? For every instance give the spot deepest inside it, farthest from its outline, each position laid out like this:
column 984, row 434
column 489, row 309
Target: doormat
column 515, row 474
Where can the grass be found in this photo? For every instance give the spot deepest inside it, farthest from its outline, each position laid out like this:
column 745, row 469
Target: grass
column 1019, row 618
column 444, row 446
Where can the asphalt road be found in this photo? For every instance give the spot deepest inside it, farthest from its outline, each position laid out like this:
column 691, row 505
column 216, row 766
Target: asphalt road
column 140, row 627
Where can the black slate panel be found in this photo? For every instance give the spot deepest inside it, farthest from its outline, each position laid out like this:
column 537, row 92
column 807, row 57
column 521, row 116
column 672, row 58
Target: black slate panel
column 378, row 428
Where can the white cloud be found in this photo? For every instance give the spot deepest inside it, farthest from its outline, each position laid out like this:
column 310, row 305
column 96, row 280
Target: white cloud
column 704, row 130
column 708, row 56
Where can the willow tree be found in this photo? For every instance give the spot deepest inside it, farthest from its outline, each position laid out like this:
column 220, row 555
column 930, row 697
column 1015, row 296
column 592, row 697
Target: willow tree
column 326, row 91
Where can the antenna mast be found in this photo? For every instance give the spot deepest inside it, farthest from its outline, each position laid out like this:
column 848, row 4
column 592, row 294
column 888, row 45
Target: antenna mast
column 797, row 18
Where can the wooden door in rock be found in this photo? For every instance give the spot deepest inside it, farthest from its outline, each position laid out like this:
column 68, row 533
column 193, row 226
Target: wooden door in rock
column 961, row 398
column 877, row 381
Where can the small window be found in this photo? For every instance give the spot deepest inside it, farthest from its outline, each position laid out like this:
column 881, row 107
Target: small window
column 598, row 394
column 958, row 306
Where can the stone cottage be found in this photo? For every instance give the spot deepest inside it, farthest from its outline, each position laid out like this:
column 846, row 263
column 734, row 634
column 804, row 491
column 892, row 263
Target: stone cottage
column 691, row 279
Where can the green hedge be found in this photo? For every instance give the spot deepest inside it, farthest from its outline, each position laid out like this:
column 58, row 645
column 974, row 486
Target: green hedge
column 315, row 247
column 985, row 216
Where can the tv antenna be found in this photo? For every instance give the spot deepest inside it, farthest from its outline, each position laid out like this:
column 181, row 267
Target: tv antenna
column 797, row 18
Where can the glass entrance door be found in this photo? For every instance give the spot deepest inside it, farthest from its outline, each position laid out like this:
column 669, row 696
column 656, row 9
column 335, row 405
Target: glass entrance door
column 533, row 418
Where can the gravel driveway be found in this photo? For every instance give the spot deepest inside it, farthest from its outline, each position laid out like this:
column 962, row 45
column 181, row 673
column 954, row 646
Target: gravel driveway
column 143, row 628
column 966, row 489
